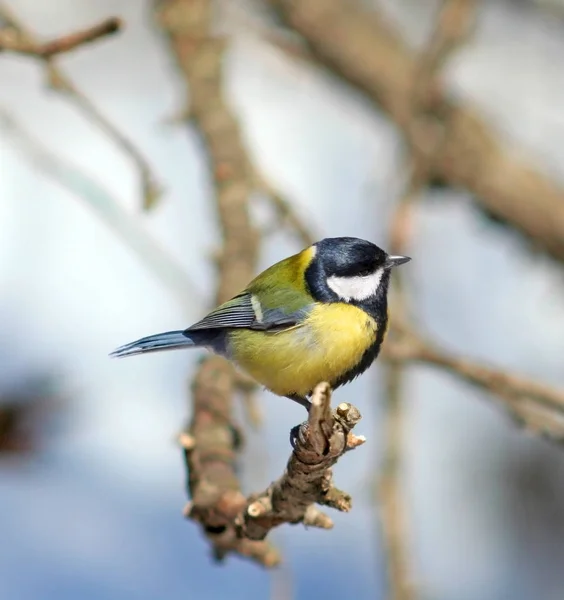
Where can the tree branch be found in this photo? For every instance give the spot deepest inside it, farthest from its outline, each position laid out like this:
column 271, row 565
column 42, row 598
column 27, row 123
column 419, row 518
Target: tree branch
column 13, row 41
column 236, row 524
column 214, row 439
column 59, row 81
column 357, row 44
column 308, row 478
column 539, row 407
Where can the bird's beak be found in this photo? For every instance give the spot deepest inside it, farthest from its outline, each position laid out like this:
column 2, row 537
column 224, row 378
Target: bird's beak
column 395, row 261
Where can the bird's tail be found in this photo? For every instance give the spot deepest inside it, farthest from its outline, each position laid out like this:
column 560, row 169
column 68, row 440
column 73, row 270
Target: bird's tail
column 170, row 340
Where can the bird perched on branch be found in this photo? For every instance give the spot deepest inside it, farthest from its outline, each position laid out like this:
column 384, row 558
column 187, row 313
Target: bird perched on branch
column 320, row 315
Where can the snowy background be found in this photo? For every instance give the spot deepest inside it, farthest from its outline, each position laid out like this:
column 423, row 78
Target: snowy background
column 97, row 513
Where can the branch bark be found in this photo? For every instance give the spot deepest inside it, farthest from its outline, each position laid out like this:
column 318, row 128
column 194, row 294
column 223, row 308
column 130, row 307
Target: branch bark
column 11, row 40
column 308, row 479
column 236, row 524
column 357, row 44
column 211, row 454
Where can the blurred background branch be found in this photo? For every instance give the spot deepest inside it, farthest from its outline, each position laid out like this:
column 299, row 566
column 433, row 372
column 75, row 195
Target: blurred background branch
column 453, row 25
column 13, row 40
column 62, row 83
column 471, row 154
column 213, row 484
column 534, row 405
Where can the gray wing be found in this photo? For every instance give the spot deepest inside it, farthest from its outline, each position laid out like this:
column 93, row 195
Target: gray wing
column 245, row 311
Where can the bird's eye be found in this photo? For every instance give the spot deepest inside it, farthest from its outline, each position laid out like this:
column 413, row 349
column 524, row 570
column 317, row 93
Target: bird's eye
column 365, row 272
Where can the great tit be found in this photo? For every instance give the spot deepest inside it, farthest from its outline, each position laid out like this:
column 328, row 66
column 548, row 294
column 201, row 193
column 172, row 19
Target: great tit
column 319, row 315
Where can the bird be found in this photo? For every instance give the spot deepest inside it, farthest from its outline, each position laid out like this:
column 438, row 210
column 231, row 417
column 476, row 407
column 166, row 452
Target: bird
column 320, row 315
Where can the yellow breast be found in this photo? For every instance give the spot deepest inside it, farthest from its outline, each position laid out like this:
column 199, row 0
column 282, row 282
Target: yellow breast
column 328, row 344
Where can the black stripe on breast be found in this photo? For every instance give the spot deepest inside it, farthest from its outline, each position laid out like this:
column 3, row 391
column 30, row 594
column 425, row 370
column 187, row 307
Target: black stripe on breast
column 368, row 357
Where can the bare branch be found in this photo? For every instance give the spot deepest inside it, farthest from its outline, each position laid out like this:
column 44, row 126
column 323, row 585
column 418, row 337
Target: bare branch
column 212, row 479
column 236, row 524
column 13, row 41
column 538, row 407
column 60, row 82
column 211, row 443
column 308, row 478
column 359, row 45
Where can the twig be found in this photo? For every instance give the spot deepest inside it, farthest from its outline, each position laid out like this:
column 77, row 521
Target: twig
column 538, row 407
column 471, row 155
column 308, row 479
column 125, row 225
column 238, row 524
column 60, row 82
column 14, row 43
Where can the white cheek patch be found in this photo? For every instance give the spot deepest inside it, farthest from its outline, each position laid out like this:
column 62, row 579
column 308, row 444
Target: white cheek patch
column 357, row 287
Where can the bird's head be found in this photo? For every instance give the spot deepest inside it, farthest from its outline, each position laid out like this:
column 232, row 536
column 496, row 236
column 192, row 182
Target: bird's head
column 348, row 269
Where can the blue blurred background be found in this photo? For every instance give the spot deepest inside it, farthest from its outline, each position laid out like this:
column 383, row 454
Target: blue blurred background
column 91, row 508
